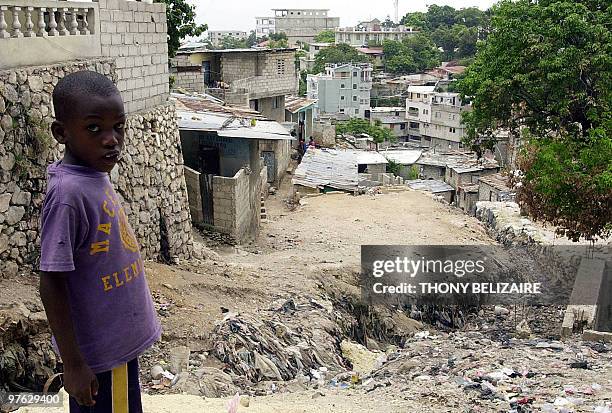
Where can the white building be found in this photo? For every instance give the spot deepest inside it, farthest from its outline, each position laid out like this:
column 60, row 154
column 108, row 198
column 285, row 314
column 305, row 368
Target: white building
column 343, row 90
column 371, row 34
column 393, row 118
column 265, row 26
column 307, row 62
column 302, row 25
column 216, row 36
column 435, row 117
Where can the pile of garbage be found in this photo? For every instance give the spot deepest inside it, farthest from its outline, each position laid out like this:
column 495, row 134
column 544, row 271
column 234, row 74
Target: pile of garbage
column 26, row 357
column 273, row 349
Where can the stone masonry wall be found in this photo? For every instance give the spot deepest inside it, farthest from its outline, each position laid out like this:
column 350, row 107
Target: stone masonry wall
column 150, row 178
column 135, row 34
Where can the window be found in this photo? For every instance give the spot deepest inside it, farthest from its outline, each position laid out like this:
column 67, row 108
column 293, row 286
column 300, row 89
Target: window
column 341, row 97
column 356, row 111
column 418, row 95
column 342, row 86
column 354, row 74
column 451, row 130
column 402, row 126
column 276, row 102
column 449, row 116
column 280, row 66
column 354, row 86
column 354, row 98
column 438, row 114
column 341, row 110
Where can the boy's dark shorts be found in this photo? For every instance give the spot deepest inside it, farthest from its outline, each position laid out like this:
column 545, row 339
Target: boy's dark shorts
column 119, row 392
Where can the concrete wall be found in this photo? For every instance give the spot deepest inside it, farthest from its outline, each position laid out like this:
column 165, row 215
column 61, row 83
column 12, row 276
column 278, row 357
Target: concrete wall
column 236, row 203
column 192, row 179
column 150, row 178
column 304, row 28
column 432, row 172
column 234, row 153
column 467, row 201
column 324, row 134
column 273, row 108
column 33, row 49
column 282, row 155
column 135, row 35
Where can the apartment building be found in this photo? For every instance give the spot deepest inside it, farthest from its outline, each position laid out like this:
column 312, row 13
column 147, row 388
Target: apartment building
column 343, row 90
column 371, row 34
column 435, row 117
column 302, row 25
column 216, row 36
column 265, row 26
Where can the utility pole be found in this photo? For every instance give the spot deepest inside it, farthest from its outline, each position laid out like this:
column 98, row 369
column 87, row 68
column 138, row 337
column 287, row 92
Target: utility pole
column 396, row 9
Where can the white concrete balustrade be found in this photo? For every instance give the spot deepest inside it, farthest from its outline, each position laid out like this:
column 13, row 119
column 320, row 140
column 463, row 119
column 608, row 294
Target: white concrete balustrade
column 45, row 18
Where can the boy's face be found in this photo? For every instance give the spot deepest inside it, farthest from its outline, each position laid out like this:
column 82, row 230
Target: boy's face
column 94, row 134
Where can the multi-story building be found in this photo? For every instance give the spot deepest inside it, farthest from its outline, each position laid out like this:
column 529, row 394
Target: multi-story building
column 264, row 26
column 344, row 89
column 392, row 118
column 216, row 36
column 307, row 62
column 371, row 34
column 302, row 25
column 435, row 117
column 255, row 78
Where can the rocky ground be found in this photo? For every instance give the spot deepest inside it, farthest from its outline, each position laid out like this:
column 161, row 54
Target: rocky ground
column 279, row 320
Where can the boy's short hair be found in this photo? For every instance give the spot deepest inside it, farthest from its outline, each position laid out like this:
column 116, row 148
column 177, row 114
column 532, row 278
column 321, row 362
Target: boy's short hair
column 77, row 85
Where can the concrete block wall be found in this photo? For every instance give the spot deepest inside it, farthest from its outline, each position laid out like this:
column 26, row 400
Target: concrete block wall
column 236, row 203
column 192, row 180
column 191, row 81
column 135, row 35
column 150, row 178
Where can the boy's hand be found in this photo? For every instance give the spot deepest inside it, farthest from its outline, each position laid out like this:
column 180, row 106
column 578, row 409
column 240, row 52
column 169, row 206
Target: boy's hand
column 81, row 383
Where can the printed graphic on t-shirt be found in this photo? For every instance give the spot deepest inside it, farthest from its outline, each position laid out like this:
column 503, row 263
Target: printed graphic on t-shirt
column 117, row 220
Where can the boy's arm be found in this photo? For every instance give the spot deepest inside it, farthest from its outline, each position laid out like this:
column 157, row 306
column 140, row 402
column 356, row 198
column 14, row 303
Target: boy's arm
column 79, row 381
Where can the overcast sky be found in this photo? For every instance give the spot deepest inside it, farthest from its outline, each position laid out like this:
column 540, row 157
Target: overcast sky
column 240, row 14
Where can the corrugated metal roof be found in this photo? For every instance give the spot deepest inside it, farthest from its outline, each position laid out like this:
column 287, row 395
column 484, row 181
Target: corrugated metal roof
column 403, row 157
column 336, row 168
column 497, row 181
column 295, row 103
column 200, row 114
column 430, row 185
column 421, row 89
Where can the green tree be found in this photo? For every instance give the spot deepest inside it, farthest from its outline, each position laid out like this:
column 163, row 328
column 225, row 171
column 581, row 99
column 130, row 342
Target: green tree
column 416, row 20
column 544, row 70
column 326, row 36
column 376, row 131
column 278, row 41
column 341, row 53
column 252, row 39
column 180, row 17
column 440, row 16
column 413, row 54
column 231, row 42
column 471, row 17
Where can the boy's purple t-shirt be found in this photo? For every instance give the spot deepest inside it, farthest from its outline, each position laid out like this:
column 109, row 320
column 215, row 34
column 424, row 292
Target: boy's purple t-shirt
column 85, row 233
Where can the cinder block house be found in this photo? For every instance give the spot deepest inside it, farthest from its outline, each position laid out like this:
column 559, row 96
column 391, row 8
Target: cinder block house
column 231, row 154
column 254, row 78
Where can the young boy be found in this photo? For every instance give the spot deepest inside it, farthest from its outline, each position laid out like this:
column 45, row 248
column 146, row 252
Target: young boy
column 92, row 280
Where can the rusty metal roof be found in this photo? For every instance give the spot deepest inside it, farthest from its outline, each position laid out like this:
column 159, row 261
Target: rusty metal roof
column 497, row 181
column 295, row 103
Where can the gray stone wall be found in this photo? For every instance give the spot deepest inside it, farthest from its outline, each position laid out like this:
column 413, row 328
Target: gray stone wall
column 150, row 178
column 135, row 35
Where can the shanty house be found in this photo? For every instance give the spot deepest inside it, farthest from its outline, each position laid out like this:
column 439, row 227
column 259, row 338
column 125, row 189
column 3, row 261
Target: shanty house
column 230, row 154
column 495, row 188
column 299, row 111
